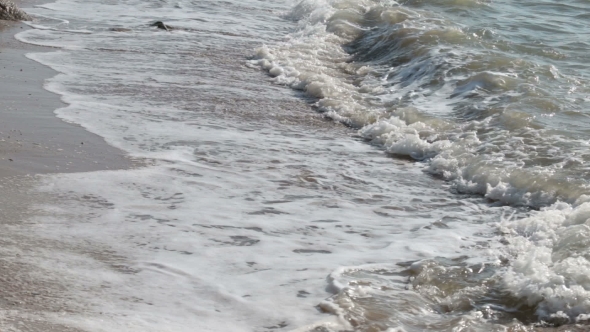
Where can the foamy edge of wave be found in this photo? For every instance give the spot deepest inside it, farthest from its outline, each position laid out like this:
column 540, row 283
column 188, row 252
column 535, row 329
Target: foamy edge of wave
column 313, row 60
column 549, row 268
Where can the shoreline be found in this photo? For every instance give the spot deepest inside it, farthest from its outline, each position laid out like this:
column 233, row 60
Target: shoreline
column 53, row 263
column 33, row 140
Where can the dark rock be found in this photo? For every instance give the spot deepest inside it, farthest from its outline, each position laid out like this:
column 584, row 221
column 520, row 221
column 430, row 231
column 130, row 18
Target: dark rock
column 10, row 12
column 161, row 25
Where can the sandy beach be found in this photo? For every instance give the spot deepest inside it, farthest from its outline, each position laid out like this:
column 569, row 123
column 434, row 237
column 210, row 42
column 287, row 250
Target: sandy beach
column 34, row 141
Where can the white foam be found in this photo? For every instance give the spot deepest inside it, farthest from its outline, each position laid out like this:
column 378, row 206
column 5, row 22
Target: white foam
column 550, row 266
column 314, row 59
column 192, row 227
column 236, row 224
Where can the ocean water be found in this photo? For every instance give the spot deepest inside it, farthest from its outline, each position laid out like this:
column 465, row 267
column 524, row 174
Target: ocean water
column 343, row 165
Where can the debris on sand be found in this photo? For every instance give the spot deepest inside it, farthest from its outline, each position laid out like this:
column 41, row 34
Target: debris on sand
column 10, row 12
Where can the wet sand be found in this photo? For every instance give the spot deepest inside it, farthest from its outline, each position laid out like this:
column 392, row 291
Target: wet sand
column 32, row 139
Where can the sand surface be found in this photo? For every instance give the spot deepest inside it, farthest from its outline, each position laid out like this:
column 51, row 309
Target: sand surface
column 32, row 139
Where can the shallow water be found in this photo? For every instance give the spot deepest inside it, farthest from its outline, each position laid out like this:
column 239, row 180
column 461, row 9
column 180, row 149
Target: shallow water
column 427, row 170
